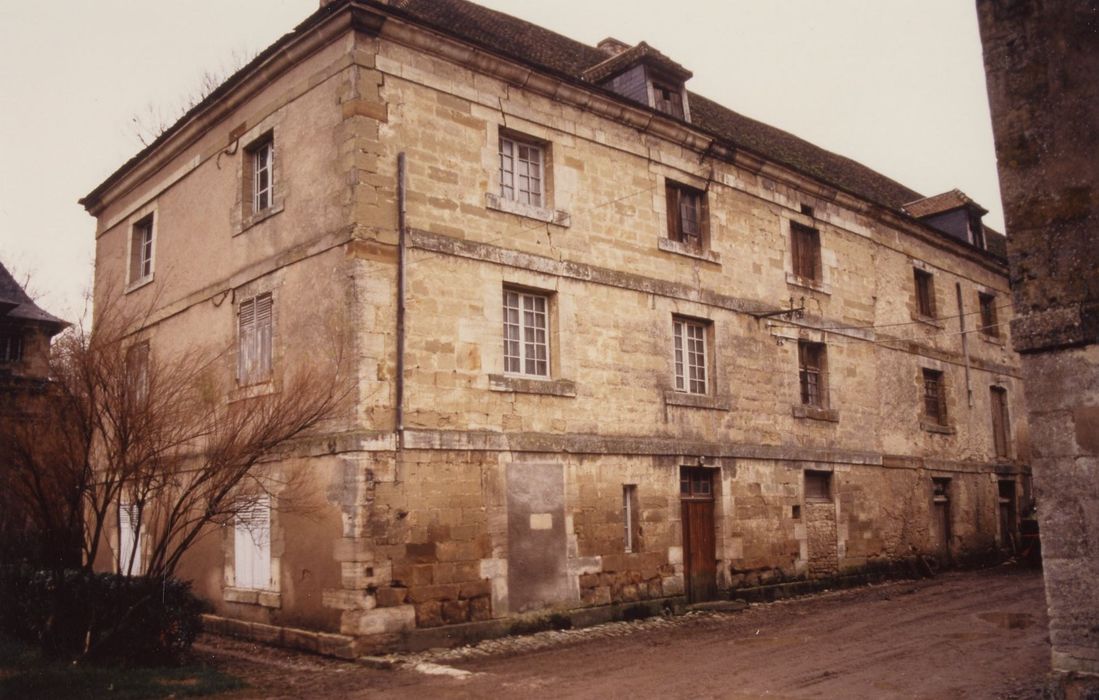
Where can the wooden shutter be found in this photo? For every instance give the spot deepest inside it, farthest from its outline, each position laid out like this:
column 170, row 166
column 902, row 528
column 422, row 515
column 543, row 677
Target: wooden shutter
column 672, row 194
column 252, row 545
column 999, row 421
column 264, row 309
column 129, row 539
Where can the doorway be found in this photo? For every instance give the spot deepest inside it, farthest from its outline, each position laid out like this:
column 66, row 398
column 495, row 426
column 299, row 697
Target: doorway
column 696, row 493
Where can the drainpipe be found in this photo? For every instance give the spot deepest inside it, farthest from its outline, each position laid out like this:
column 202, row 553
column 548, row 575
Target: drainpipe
column 400, row 296
column 965, row 343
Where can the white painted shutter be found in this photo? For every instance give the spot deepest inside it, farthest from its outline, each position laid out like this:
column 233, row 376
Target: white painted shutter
column 252, row 545
column 246, row 328
column 128, row 537
column 262, row 366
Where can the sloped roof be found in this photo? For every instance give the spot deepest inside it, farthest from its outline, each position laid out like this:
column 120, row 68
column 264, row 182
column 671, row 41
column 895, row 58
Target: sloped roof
column 568, row 58
column 528, row 42
column 15, row 304
column 642, row 52
column 939, row 203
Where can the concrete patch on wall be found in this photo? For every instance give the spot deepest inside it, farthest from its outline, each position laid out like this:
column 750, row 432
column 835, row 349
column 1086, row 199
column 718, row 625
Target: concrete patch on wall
column 537, row 553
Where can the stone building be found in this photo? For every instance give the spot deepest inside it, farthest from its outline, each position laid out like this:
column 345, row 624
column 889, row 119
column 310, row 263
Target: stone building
column 1041, row 60
column 25, row 333
column 614, row 343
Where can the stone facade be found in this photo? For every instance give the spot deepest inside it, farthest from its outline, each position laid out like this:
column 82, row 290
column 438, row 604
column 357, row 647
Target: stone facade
column 457, row 491
column 1041, row 59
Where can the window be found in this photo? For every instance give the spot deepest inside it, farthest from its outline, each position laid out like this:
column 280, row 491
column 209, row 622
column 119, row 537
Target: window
column 526, row 333
column 11, row 347
column 137, row 369
column 925, row 293
column 521, row 171
column 812, row 365
column 807, row 210
column 686, row 214
column 1000, row 425
column 989, row 325
column 805, row 252
column 818, row 486
column 696, row 482
column 667, row 99
column 631, row 518
column 690, row 356
column 252, row 545
column 263, row 174
column 934, row 396
column 254, row 339
column 129, row 539
column 141, row 250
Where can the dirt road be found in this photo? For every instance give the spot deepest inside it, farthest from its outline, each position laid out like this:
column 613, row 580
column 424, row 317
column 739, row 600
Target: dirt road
column 971, row 635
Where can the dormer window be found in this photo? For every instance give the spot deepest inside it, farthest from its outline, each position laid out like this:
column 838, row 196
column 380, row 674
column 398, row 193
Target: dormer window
column 667, row 99
column 642, row 74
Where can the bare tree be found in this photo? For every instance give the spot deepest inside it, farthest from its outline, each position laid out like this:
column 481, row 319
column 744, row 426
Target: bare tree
column 155, row 119
column 122, row 425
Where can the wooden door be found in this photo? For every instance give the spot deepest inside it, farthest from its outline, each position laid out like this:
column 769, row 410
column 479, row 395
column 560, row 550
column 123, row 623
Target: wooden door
column 940, row 518
column 699, row 541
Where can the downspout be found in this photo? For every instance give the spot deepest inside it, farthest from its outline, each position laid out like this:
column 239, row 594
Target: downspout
column 965, row 343
column 400, row 297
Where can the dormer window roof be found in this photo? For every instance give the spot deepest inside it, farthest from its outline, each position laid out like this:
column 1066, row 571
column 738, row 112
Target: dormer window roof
column 953, row 213
column 643, row 74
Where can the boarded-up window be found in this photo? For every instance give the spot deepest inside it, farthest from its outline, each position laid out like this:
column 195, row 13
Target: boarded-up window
column 667, row 99
column 526, row 333
column 818, row 485
column 925, row 293
column 1000, row 425
column 690, row 356
column 521, row 171
column 934, row 396
column 686, row 214
column 805, row 252
column 129, row 539
column 254, row 339
column 812, row 374
column 141, row 250
column 252, row 545
column 989, row 324
column 631, row 519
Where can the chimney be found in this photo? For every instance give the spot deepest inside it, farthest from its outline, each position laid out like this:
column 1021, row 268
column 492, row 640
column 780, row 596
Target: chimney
column 612, row 46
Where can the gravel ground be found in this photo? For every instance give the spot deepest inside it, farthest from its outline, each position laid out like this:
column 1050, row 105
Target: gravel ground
column 960, row 635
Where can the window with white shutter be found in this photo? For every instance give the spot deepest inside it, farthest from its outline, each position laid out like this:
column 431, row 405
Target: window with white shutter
column 254, row 322
column 252, row 545
column 129, row 539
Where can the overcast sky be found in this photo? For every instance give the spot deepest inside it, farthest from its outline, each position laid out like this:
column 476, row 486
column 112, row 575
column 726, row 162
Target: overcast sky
column 895, row 84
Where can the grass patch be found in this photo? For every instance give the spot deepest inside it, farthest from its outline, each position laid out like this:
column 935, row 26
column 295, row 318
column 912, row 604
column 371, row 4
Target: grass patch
column 25, row 674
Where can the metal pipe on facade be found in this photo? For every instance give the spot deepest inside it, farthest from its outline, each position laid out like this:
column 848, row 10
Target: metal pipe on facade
column 399, row 398
column 965, row 343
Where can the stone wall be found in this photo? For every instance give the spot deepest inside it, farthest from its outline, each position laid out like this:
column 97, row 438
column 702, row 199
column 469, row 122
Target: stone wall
column 503, row 495
column 1041, row 59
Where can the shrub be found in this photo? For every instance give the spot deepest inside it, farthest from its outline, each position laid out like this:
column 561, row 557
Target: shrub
column 100, row 617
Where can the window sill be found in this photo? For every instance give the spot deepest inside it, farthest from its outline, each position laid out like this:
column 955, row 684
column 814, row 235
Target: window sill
column 252, row 391
column 670, row 246
column 252, row 596
column 805, row 283
column 933, row 427
column 682, row 398
column 138, row 284
column 992, row 339
column 831, row 415
column 524, row 385
column 528, row 211
column 259, row 218
column 929, row 320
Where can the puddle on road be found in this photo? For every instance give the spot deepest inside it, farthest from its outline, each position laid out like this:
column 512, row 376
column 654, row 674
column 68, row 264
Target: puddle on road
column 1008, row 620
